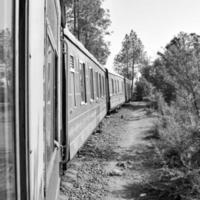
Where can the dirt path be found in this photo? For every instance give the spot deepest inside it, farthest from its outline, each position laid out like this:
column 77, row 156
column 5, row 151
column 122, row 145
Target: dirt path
column 116, row 162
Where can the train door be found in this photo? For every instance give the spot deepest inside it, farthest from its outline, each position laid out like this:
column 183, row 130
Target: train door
column 107, row 91
column 64, row 82
column 14, row 181
column 50, row 109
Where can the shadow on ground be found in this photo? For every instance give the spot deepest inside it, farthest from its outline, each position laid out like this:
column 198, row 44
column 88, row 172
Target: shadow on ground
column 147, row 192
column 133, row 106
column 92, row 152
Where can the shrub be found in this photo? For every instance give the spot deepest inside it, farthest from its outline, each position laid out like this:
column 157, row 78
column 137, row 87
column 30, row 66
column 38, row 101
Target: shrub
column 142, row 89
column 179, row 151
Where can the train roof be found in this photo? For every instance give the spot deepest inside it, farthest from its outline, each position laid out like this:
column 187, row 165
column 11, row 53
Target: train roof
column 115, row 74
column 78, row 44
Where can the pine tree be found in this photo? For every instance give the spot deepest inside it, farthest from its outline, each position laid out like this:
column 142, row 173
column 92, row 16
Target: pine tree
column 89, row 22
column 129, row 55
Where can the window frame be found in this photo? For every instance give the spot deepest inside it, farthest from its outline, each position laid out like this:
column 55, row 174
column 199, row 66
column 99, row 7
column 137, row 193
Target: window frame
column 82, row 64
column 91, row 75
column 112, row 83
column 73, row 71
column 21, row 98
column 97, row 84
column 100, row 84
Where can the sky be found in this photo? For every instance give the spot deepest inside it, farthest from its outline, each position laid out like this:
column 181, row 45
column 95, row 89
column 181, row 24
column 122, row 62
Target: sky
column 5, row 14
column 156, row 22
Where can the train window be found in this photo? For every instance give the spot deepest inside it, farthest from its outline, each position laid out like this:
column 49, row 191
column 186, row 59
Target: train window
column 53, row 18
column 118, row 85
column 73, row 82
column 7, row 152
column 100, row 85
column 50, row 100
column 71, row 62
column 97, row 84
column 103, row 86
column 113, row 89
column 83, row 82
column 91, row 84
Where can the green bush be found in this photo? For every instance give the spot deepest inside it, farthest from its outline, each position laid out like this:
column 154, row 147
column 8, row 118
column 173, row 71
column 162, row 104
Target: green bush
column 142, row 89
column 179, row 151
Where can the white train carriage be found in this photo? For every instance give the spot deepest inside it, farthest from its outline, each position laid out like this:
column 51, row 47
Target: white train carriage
column 128, row 92
column 116, row 90
column 30, row 126
column 85, row 92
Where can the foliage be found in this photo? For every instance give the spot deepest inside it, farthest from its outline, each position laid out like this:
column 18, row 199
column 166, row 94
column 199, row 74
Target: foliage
column 129, row 55
column 157, row 76
column 176, row 75
column 89, row 22
column 181, row 60
column 142, row 89
column 179, row 151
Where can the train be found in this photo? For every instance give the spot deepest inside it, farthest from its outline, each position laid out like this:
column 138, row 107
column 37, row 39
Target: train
column 54, row 93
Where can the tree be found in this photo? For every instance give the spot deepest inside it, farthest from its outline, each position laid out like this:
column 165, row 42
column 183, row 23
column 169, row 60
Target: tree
column 181, row 61
column 89, row 22
column 129, row 55
column 156, row 75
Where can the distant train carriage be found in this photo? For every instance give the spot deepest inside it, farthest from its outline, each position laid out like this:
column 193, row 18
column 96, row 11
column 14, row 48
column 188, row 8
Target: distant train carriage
column 128, row 92
column 85, row 94
column 117, row 90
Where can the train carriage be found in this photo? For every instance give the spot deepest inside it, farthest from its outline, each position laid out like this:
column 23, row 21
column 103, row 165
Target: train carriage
column 128, row 92
column 117, row 90
column 85, row 94
column 53, row 94
column 30, row 126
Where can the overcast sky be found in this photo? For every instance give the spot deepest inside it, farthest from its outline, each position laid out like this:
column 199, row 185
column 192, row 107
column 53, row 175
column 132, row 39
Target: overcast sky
column 154, row 21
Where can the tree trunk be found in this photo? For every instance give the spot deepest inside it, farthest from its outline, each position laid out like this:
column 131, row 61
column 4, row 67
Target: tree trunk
column 132, row 79
column 75, row 17
column 127, row 60
column 78, row 22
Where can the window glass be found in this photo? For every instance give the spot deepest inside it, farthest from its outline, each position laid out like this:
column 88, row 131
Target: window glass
column 73, row 88
column 117, row 86
column 97, row 84
column 83, row 82
column 71, row 62
column 100, row 85
column 7, row 155
column 103, row 85
column 53, row 18
column 49, row 100
column 73, row 82
column 113, row 86
column 91, row 84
